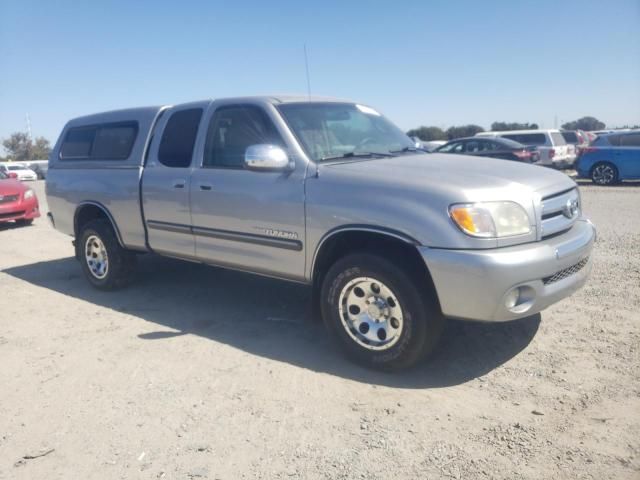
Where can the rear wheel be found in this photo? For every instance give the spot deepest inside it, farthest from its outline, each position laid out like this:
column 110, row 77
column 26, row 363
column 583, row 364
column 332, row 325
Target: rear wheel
column 105, row 263
column 378, row 312
column 604, row 173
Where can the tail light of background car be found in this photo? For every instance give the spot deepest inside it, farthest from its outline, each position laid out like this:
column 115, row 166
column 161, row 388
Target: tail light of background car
column 523, row 154
column 552, row 153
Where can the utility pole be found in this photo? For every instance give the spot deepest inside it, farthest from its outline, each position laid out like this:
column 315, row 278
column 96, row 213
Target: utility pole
column 28, row 126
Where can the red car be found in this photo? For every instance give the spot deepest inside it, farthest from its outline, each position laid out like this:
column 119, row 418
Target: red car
column 17, row 201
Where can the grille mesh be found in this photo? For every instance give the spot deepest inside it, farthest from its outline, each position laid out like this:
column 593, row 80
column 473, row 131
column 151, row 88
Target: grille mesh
column 567, row 272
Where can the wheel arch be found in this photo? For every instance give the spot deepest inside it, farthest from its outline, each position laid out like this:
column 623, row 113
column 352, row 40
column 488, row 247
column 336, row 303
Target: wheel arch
column 90, row 210
column 353, row 238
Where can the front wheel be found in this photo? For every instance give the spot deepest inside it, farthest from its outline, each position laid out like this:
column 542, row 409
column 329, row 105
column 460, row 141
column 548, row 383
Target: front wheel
column 381, row 315
column 604, row 173
column 105, row 263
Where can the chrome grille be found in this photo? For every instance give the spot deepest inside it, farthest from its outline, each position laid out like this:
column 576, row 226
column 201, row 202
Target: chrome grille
column 8, row 198
column 567, row 272
column 557, row 215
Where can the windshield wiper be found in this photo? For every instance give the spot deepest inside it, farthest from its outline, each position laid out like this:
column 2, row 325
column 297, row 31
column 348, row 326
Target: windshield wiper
column 357, row 155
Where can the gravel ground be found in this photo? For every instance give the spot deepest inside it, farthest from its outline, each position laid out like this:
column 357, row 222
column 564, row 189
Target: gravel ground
column 200, row 373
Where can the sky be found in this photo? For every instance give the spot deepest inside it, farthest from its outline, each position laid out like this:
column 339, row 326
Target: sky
column 419, row 62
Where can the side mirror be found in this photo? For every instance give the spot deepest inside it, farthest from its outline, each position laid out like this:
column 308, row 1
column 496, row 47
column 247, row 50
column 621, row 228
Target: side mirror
column 266, row 157
column 12, row 174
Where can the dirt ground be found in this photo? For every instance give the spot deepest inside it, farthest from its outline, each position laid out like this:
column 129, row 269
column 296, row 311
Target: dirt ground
column 200, row 373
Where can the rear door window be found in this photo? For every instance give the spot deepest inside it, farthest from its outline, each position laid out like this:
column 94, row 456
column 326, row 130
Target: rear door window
column 632, row 140
column 613, row 140
column 179, row 138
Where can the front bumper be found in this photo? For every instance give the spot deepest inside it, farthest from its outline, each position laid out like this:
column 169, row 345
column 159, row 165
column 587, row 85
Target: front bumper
column 475, row 284
column 22, row 210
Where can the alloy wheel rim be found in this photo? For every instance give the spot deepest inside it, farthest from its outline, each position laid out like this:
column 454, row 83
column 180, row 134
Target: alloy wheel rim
column 371, row 313
column 603, row 174
column 96, row 257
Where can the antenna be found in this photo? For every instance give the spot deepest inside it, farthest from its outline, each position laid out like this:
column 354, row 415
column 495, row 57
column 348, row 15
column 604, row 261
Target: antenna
column 28, row 125
column 306, row 64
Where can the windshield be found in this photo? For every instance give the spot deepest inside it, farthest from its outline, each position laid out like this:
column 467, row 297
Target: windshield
column 330, row 130
column 15, row 167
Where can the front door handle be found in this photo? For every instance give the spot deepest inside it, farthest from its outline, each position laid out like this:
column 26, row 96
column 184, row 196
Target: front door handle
column 179, row 184
column 205, row 186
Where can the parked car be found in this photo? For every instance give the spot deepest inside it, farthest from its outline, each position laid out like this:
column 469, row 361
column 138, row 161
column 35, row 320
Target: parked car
column 552, row 146
column 20, row 169
column 428, row 145
column 611, row 157
column 577, row 138
column 18, row 202
column 39, row 167
column 326, row 193
column 492, row 147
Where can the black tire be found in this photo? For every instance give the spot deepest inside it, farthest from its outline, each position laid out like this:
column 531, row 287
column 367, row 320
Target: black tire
column 121, row 262
column 422, row 320
column 604, row 173
column 24, row 221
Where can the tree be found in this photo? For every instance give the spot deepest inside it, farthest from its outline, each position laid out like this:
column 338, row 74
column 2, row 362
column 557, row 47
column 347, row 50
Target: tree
column 505, row 126
column 463, row 131
column 584, row 123
column 20, row 147
column 428, row 133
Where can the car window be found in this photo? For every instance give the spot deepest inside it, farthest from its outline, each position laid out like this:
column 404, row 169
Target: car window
column 179, row 137
column 78, row 142
column 453, row 147
column 477, row 146
column 114, row 142
column 110, row 141
column 528, row 138
column 613, row 140
column 570, row 137
column 558, row 139
column 232, row 130
column 631, row 140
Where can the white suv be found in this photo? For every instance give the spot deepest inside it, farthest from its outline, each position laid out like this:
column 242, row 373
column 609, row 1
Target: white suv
column 554, row 150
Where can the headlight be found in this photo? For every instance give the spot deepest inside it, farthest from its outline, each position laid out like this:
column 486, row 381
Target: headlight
column 490, row 219
column 28, row 194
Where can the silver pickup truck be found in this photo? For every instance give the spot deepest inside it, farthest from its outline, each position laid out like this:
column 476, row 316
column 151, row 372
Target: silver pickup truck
column 328, row 193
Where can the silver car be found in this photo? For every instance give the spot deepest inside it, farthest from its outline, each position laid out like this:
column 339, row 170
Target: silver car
column 327, row 193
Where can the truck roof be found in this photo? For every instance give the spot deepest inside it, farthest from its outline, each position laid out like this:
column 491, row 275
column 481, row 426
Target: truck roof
column 152, row 110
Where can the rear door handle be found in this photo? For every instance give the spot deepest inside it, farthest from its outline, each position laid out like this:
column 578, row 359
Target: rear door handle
column 204, row 186
column 179, row 184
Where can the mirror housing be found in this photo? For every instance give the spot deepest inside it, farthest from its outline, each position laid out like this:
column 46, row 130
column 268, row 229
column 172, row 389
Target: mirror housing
column 265, row 157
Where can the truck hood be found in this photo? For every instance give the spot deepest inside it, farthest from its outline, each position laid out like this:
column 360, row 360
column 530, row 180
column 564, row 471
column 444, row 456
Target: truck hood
column 459, row 177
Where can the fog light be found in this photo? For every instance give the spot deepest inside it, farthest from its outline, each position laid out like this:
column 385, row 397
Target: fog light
column 511, row 299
